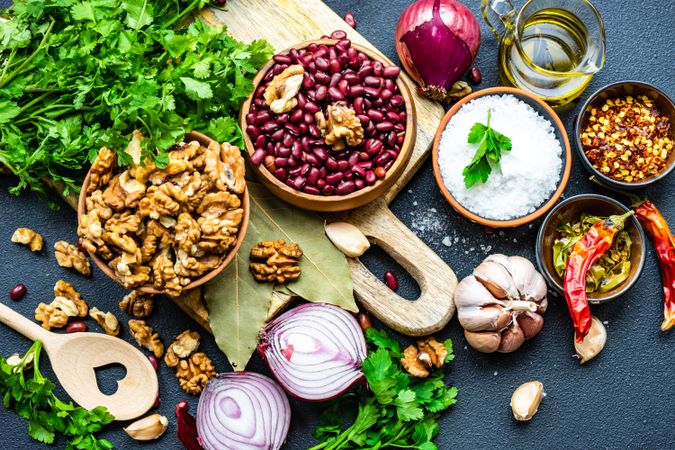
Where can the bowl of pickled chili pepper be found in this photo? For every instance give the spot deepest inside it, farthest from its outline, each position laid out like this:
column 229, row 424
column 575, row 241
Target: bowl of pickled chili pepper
column 591, row 241
column 625, row 134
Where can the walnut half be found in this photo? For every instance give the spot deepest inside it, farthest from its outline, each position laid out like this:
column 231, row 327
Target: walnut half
column 107, row 321
column 419, row 360
column 194, row 373
column 68, row 255
column 146, row 337
column 137, row 304
column 185, row 344
column 275, row 261
column 50, row 316
column 66, row 290
column 29, row 238
column 341, row 128
column 280, row 93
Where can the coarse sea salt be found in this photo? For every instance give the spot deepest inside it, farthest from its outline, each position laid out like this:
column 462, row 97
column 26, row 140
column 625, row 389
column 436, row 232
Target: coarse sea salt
column 530, row 172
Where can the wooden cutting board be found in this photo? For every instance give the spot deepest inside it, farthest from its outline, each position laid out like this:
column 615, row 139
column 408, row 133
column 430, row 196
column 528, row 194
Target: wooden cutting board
column 284, row 23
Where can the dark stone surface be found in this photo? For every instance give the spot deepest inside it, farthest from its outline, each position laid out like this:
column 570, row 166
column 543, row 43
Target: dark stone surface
column 622, row 399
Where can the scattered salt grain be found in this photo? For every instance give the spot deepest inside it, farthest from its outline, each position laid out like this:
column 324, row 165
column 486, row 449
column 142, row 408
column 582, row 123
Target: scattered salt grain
column 495, row 374
column 529, row 172
column 446, row 241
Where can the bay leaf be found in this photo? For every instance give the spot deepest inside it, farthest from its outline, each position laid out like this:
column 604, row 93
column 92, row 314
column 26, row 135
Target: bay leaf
column 326, row 277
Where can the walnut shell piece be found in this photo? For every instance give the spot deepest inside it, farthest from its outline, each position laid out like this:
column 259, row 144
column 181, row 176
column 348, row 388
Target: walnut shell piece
column 275, row 261
column 194, row 373
column 138, row 304
column 50, row 316
column 69, row 256
column 341, row 128
column 146, row 337
column 106, row 320
column 185, row 344
column 281, row 92
column 29, row 238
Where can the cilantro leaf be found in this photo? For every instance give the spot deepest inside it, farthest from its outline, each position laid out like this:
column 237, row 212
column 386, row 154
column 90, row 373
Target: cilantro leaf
column 381, row 339
column 197, row 89
column 491, row 145
column 8, row 111
column 406, row 406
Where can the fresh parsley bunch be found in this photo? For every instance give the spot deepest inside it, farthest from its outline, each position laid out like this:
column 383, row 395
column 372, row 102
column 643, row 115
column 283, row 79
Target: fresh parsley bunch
column 491, row 144
column 33, row 399
column 79, row 74
column 396, row 410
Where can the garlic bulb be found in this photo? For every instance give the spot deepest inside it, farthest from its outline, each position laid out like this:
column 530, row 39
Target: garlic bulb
column 500, row 304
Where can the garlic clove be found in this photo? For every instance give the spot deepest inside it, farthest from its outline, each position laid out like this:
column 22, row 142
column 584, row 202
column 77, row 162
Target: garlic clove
column 593, row 342
column 148, row 428
column 471, row 293
column 496, row 279
column 347, row 238
column 512, row 339
column 530, row 323
column 486, row 318
column 526, row 399
column 485, row 342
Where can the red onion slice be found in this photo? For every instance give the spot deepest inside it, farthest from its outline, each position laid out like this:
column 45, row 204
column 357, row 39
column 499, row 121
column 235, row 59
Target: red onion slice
column 243, row 411
column 315, row 351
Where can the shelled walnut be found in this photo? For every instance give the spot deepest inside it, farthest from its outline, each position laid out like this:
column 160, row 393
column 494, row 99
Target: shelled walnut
column 106, row 320
column 146, row 337
column 138, row 304
column 275, row 261
column 166, row 227
column 66, row 290
column 419, row 360
column 29, row 238
column 68, row 255
column 194, row 373
column 341, row 128
column 281, row 92
column 50, row 316
column 185, row 344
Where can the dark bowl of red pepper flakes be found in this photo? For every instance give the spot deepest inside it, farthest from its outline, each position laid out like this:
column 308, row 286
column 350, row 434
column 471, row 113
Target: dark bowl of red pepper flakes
column 569, row 211
column 625, row 134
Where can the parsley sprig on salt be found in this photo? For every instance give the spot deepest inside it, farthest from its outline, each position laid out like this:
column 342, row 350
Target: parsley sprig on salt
column 491, row 144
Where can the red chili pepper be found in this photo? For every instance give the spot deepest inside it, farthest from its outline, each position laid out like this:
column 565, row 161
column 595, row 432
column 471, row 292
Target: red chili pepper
column 652, row 220
column 584, row 254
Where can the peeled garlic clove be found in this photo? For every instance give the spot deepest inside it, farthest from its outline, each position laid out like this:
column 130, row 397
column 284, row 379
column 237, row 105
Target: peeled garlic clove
column 347, row 238
column 148, row 428
column 512, row 339
column 470, row 293
column 593, row 342
column 486, row 318
column 525, row 400
column 485, row 342
column 530, row 323
column 496, row 279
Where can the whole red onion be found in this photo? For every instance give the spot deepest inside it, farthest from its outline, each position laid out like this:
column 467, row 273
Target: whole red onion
column 437, row 40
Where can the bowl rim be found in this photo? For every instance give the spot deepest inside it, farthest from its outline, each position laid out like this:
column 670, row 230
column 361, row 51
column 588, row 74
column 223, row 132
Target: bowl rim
column 539, row 250
column 510, row 223
column 577, row 136
column 208, row 276
column 394, row 172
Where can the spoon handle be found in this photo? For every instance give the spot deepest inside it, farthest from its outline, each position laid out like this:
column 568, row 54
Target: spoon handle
column 23, row 325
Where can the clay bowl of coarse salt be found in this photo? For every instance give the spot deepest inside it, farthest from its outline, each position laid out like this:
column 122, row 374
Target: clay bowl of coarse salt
column 526, row 181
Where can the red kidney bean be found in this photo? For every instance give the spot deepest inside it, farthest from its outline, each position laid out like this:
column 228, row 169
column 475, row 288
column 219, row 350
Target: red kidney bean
column 308, row 81
column 370, row 178
column 311, row 159
column 358, row 171
column 313, row 176
column 376, row 115
column 321, row 183
column 381, row 159
column 277, row 135
column 351, row 21
column 335, row 94
column 399, row 127
column 293, row 130
column 308, row 118
column 350, row 78
column 253, row 131
column 250, row 117
column 371, row 91
column 298, row 182
column 296, row 149
column 294, row 54
column 321, row 153
column 380, row 172
column 335, row 66
column 363, row 57
column 392, row 117
column 385, row 95
column 260, row 141
column 331, row 163
column 311, row 190
column 402, row 117
column 358, row 105
column 335, row 79
column 384, row 126
column 353, row 159
column 287, row 141
column 279, row 68
column 343, row 85
column 373, row 147
column 17, row 291
column 348, row 175
column 332, row 53
column 321, row 92
column 282, row 59
column 377, row 103
column 322, row 78
column 269, row 127
column 391, row 71
column 292, row 163
column 346, row 187
column 296, row 115
column 76, row 327
column 372, row 81
column 153, row 360
column 396, row 101
column 389, row 84
column 365, row 120
column 328, row 190
column 314, row 131
column 475, row 77
column 284, row 152
column 260, row 103
column 391, row 280
column 338, row 34
column 366, row 164
column 302, row 100
column 343, row 59
column 302, row 128
column 391, row 138
column 323, row 172
column 334, row 178
column 363, row 156
column 352, row 53
column 388, row 165
column 312, row 108
column 304, row 170
column 281, row 161
column 260, row 92
column 370, row 129
column 356, row 91
column 280, row 173
column 378, row 68
column 364, row 71
column 258, row 156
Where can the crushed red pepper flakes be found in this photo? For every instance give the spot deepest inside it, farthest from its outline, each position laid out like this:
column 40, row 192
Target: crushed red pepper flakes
column 627, row 139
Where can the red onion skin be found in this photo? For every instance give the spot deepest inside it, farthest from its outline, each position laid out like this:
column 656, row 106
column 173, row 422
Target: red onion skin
column 264, row 347
column 186, row 429
column 437, row 40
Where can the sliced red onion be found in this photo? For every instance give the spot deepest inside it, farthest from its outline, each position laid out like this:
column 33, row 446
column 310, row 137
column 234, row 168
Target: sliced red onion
column 436, row 41
column 315, row 351
column 243, row 411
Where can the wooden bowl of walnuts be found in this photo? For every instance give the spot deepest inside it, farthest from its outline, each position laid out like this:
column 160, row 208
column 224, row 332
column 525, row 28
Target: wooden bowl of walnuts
column 168, row 230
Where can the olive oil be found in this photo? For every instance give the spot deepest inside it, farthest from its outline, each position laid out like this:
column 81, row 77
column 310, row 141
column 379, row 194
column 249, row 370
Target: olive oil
column 549, row 54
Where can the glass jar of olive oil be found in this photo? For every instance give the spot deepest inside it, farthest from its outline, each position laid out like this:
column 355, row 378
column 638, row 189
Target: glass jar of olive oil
column 551, row 48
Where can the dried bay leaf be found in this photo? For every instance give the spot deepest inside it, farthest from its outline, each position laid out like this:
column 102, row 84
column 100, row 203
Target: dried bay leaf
column 326, row 277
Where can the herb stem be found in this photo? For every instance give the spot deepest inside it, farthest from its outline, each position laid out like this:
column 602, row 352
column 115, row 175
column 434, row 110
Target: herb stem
column 180, row 16
column 29, row 60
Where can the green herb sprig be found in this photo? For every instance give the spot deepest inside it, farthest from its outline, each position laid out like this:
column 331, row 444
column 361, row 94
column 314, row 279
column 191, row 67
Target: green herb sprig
column 396, row 411
column 76, row 75
column 33, row 399
column 491, row 144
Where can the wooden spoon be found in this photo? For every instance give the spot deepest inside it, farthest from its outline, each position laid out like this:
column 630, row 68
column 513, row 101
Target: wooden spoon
column 74, row 358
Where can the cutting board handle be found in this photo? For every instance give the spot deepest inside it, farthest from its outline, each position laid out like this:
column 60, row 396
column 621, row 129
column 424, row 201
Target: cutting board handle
column 435, row 306
column 23, row 325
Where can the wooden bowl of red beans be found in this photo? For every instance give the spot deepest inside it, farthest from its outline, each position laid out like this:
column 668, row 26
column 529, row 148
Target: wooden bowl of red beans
column 288, row 151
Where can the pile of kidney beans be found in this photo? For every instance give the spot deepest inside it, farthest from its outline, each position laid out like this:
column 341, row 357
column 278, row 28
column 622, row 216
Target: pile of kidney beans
column 291, row 146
